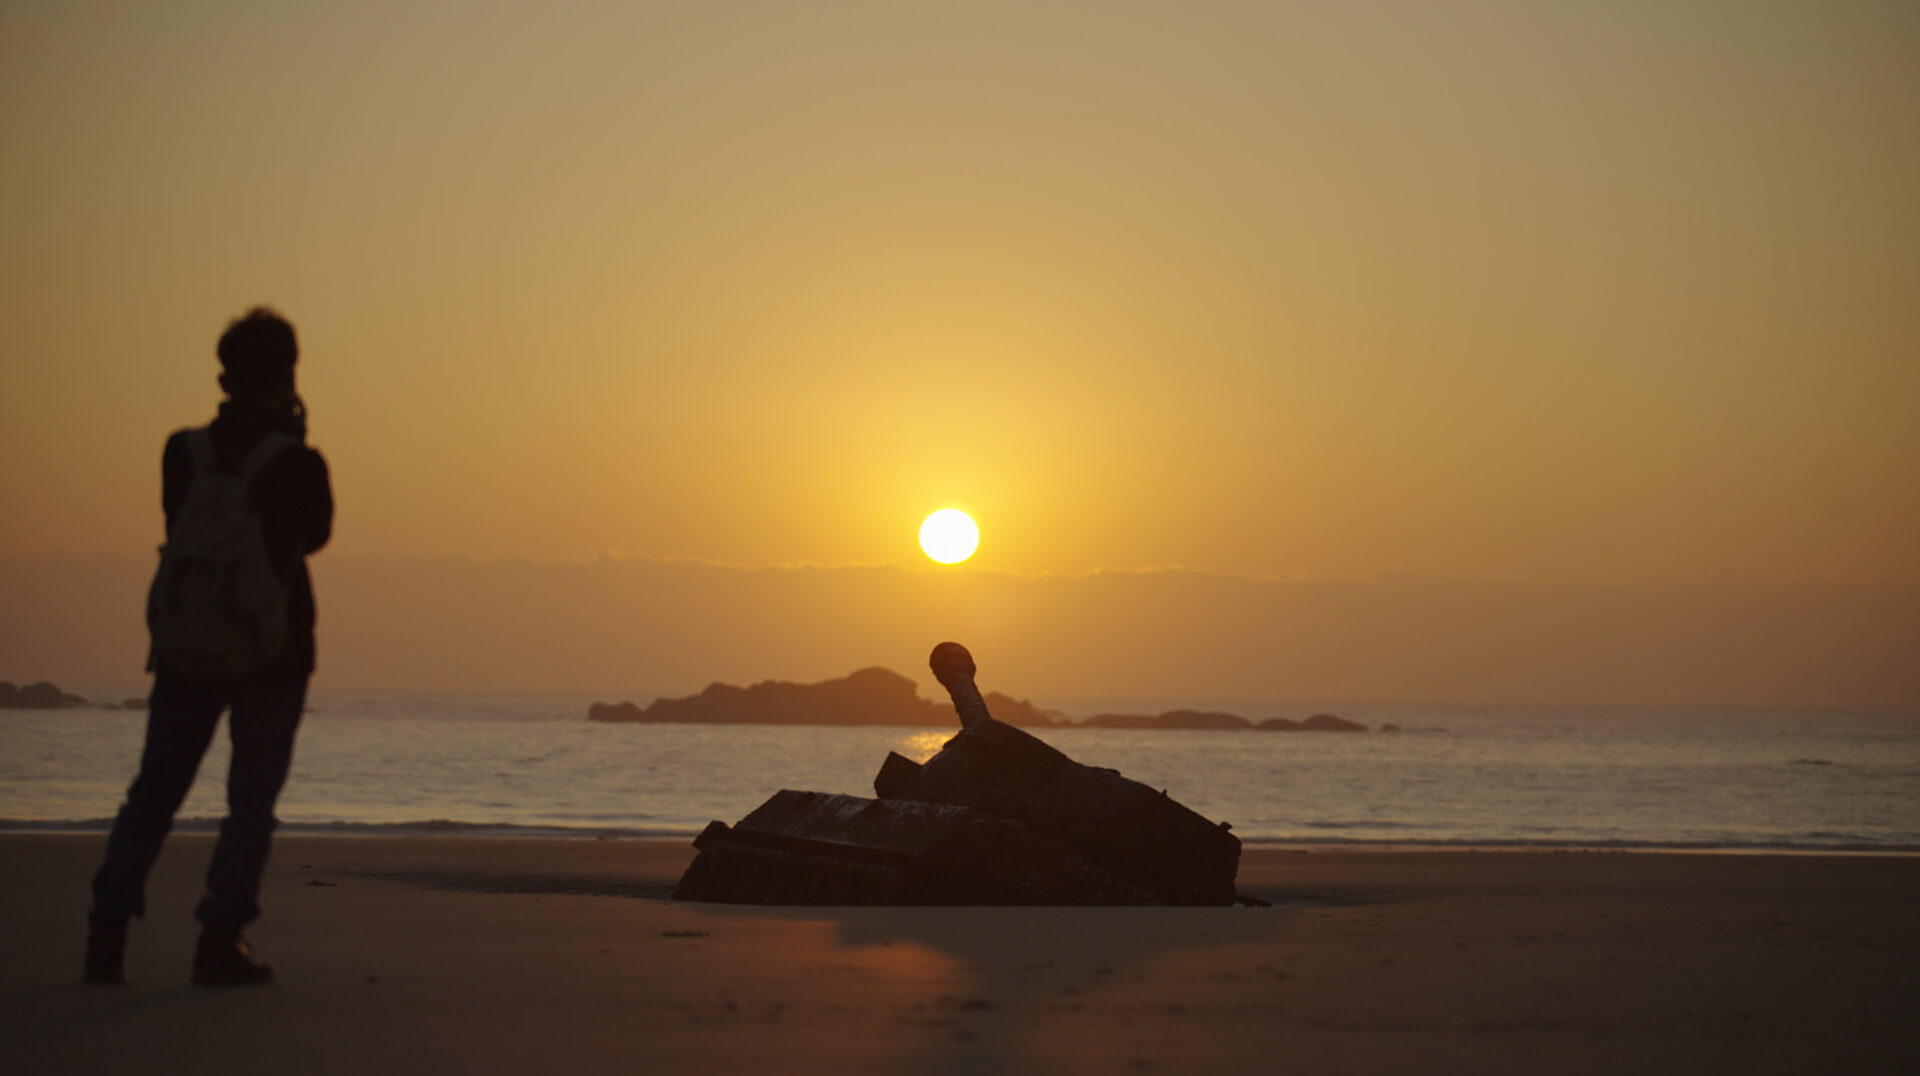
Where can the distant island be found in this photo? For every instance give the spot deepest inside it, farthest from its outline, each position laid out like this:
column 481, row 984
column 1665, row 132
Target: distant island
column 1204, row 719
column 873, row 696
column 877, row 696
column 40, row 696
column 45, row 696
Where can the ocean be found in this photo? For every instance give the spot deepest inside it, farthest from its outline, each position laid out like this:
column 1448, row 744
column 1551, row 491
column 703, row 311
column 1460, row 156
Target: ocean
column 415, row 764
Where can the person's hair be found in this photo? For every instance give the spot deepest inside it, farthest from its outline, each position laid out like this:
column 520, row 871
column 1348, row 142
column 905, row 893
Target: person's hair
column 257, row 352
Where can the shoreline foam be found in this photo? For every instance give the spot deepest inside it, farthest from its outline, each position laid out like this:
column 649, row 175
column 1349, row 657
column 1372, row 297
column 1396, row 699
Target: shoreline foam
column 439, row 827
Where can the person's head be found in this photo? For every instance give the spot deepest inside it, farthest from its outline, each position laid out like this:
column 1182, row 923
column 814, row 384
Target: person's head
column 257, row 353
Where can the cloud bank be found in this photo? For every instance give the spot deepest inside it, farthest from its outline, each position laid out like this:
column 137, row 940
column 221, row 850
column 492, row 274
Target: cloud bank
column 632, row 628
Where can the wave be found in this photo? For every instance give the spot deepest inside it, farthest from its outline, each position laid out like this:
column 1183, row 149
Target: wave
column 1378, row 825
column 1810, row 842
column 1796, row 845
column 421, row 827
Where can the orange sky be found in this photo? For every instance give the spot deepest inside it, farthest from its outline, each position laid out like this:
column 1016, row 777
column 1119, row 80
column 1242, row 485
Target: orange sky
column 1589, row 291
column 1570, row 293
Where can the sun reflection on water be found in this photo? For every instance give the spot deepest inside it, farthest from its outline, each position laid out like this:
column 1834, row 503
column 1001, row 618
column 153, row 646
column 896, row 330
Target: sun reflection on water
column 922, row 746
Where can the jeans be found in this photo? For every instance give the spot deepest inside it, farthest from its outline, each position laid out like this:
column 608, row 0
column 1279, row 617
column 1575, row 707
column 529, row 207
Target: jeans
column 181, row 718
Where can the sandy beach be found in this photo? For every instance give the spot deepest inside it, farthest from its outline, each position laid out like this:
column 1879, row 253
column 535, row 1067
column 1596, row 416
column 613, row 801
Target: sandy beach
column 525, row 955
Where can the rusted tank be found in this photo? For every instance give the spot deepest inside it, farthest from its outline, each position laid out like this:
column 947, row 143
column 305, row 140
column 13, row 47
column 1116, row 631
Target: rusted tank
column 821, row 848
column 997, row 817
column 1137, row 832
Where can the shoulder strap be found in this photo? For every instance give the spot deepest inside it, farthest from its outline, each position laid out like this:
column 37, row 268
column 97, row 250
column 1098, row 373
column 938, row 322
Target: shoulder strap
column 263, row 454
column 200, row 448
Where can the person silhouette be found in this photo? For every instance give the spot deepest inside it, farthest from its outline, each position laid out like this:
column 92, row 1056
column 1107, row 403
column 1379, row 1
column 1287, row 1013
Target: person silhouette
column 232, row 614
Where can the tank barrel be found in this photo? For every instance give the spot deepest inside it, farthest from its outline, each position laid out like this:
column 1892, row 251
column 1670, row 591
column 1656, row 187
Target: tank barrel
column 954, row 668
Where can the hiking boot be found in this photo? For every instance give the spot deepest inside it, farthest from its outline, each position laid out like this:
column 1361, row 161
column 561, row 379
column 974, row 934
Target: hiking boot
column 223, row 959
column 106, row 951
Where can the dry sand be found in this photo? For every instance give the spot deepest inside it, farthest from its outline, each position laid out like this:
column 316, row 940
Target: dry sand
column 539, row 956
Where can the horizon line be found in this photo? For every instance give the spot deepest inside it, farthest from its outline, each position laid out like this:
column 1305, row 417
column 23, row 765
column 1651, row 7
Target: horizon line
column 1380, row 577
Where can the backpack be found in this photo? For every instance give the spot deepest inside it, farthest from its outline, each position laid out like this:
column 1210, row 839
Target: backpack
column 218, row 608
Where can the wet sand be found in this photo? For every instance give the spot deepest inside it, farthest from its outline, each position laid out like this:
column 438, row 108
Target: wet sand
column 537, row 956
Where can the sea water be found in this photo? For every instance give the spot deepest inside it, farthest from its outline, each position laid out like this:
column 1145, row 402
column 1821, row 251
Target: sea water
column 1514, row 777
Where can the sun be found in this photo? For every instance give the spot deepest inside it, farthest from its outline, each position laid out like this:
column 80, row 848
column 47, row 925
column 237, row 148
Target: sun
column 949, row 535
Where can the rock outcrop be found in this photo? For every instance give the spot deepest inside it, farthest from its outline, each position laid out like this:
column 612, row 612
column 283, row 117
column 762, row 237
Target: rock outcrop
column 614, row 711
column 1316, row 723
column 38, row 696
column 1172, row 719
column 1330, row 723
column 1212, row 719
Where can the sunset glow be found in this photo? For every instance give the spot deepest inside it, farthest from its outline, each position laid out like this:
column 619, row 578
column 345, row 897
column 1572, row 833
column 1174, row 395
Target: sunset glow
column 1548, row 300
